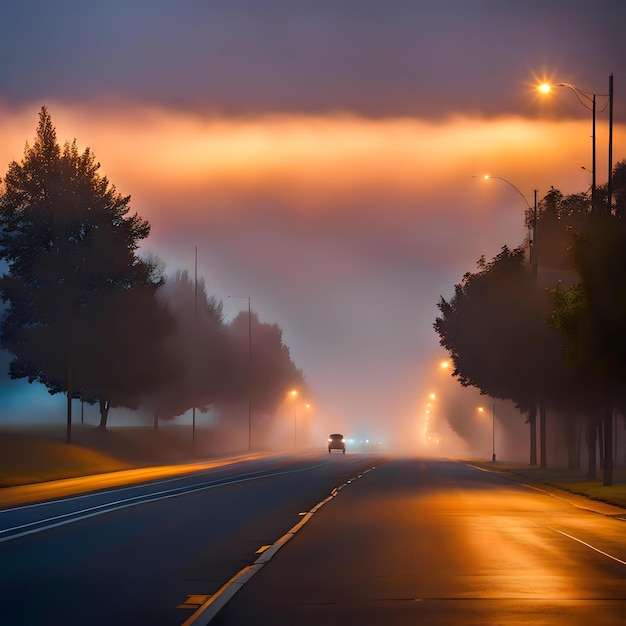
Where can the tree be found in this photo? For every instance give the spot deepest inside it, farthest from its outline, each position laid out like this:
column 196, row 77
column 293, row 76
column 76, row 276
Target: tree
column 73, row 275
column 495, row 329
column 263, row 374
column 591, row 317
column 197, row 347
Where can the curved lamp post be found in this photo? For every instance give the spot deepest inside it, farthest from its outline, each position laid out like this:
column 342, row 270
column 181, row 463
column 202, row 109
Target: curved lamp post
column 588, row 100
column 294, row 394
column 493, row 430
column 532, row 210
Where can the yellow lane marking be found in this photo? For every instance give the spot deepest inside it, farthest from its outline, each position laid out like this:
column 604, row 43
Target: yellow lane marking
column 193, row 602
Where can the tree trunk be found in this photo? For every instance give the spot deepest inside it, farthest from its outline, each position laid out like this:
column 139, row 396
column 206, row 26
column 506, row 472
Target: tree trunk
column 601, row 440
column 591, row 451
column 70, row 374
column 573, row 458
column 607, row 418
column 532, row 422
column 104, row 414
column 542, row 436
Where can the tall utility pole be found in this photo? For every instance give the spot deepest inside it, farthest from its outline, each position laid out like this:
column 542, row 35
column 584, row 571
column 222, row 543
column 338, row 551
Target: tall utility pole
column 249, row 374
column 493, row 433
column 609, row 186
column 195, row 317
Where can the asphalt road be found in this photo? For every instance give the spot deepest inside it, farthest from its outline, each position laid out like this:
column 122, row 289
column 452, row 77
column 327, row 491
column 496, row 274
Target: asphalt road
column 380, row 541
column 441, row 543
column 151, row 553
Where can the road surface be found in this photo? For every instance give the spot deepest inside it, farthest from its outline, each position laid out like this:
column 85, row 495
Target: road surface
column 150, row 553
column 441, row 543
column 402, row 541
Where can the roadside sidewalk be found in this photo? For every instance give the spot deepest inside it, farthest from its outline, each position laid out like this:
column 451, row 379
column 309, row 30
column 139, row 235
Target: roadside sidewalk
column 571, row 487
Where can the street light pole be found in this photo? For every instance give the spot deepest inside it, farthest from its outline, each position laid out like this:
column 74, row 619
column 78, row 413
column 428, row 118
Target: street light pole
column 589, row 103
column 610, row 181
column 195, row 317
column 532, row 244
column 493, row 432
column 294, row 394
column 493, row 429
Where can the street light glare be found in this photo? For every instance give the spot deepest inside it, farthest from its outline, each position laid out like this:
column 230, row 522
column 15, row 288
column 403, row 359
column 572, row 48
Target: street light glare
column 545, row 88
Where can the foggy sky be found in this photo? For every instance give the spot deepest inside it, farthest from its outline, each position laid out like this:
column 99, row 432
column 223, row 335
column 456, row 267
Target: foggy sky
column 321, row 154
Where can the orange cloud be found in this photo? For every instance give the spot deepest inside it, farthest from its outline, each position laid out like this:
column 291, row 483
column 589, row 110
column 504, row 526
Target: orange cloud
column 307, row 160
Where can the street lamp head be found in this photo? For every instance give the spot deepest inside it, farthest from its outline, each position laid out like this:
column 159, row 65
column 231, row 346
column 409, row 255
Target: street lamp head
column 546, row 87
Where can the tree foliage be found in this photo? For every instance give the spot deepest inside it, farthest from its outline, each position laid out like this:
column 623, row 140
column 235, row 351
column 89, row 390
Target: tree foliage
column 81, row 317
column 267, row 359
column 197, row 348
column 591, row 313
column 490, row 327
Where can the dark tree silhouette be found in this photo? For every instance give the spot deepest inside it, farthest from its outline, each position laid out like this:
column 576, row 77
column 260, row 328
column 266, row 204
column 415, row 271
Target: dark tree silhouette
column 197, row 347
column 75, row 286
column 495, row 329
column 591, row 316
column 267, row 372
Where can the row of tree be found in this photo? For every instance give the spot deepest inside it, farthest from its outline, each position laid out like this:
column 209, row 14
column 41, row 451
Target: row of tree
column 515, row 332
column 87, row 316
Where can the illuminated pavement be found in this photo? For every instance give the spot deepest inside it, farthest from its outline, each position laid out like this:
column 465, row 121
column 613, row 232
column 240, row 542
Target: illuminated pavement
column 442, row 543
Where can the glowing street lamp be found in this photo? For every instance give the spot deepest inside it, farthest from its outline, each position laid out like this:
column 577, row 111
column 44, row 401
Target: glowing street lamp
column 588, row 100
column 294, row 394
column 533, row 241
column 493, row 429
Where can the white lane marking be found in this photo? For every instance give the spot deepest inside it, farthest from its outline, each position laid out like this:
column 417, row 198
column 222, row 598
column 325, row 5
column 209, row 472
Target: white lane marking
column 104, row 490
column 219, row 599
column 70, row 518
column 610, row 556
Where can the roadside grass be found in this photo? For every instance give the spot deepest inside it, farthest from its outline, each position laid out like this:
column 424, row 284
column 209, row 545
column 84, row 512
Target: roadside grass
column 615, row 494
column 573, row 481
column 27, row 458
column 38, row 454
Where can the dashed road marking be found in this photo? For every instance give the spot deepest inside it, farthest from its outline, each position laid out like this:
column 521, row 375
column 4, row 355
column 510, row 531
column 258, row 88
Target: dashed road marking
column 217, row 601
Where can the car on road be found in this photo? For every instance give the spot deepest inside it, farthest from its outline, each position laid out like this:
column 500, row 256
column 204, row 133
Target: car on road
column 336, row 442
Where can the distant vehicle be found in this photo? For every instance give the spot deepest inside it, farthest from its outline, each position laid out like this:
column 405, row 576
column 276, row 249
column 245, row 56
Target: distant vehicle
column 336, row 442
